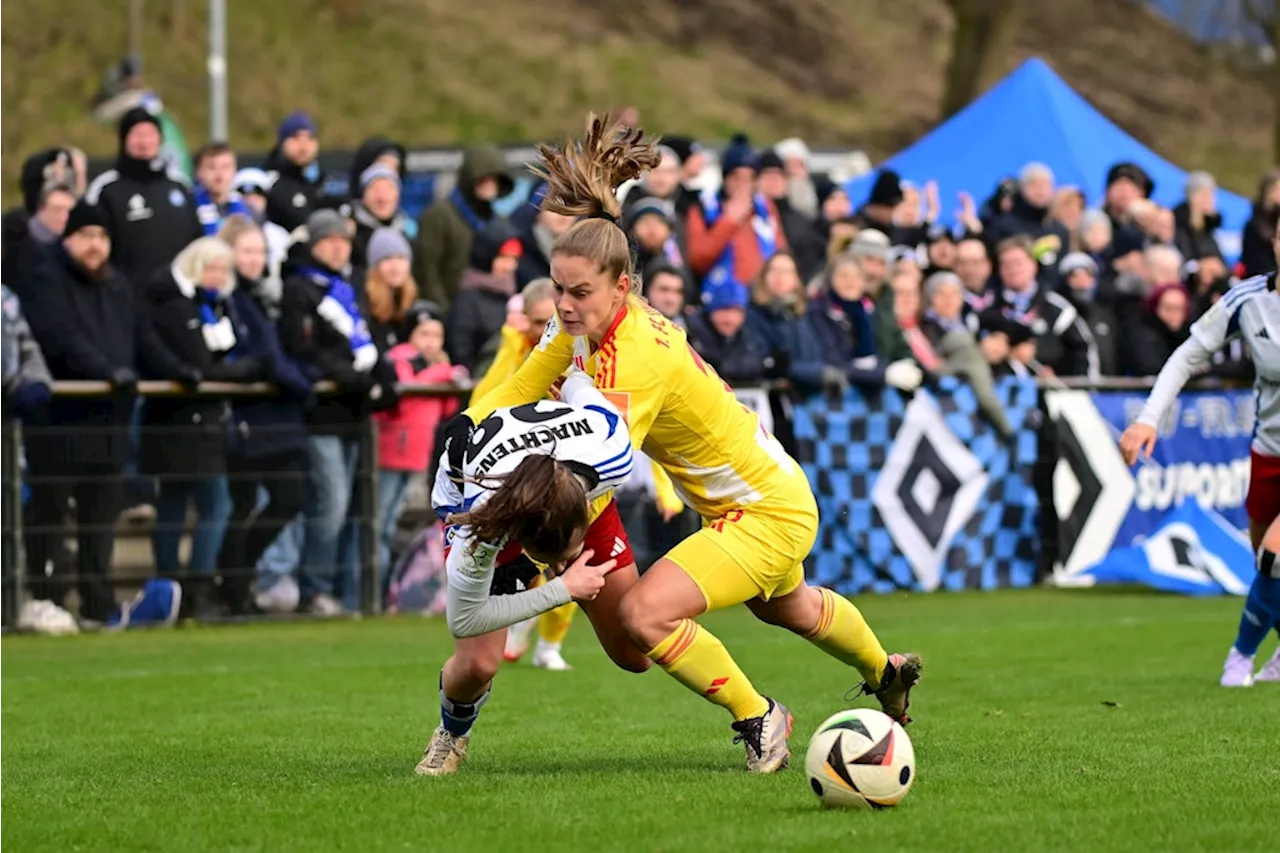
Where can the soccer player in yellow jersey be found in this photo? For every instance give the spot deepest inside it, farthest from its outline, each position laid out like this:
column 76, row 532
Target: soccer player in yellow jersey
column 759, row 514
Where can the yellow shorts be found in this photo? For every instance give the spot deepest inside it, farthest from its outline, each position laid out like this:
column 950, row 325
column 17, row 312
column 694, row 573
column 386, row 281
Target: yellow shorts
column 755, row 551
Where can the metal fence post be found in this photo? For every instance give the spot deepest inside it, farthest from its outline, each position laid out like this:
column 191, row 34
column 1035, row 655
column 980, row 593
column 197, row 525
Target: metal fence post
column 15, row 557
column 370, row 587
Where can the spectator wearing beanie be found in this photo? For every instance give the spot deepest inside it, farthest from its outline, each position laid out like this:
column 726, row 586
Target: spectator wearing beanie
column 447, row 228
column 297, row 182
column 406, row 434
column 1161, row 329
column 24, row 240
column 379, row 207
column 1126, row 183
column 480, row 309
column 878, row 212
column 736, row 229
column 91, row 324
column 150, row 216
column 801, row 190
column 1079, row 275
column 379, row 151
column 388, row 288
column 719, row 334
column 649, row 225
column 322, row 327
column 804, row 237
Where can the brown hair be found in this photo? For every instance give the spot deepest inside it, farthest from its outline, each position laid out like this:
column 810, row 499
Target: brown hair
column 386, row 304
column 1018, row 242
column 209, row 149
column 541, row 505
column 760, row 294
column 582, row 180
column 236, row 226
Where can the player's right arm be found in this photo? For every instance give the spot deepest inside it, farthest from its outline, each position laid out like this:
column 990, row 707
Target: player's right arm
column 530, row 383
column 471, row 611
column 1208, row 335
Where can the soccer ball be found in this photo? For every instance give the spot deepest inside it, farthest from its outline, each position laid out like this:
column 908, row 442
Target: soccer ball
column 860, row 759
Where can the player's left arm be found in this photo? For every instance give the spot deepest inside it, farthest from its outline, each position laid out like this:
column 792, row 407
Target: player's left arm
column 471, row 610
column 1208, row 335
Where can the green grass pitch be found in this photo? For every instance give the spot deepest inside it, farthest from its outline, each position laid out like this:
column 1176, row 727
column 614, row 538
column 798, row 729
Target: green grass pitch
column 1045, row 721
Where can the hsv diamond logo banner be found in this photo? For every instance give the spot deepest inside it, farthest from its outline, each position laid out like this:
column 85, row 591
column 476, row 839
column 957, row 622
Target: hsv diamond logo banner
column 928, row 489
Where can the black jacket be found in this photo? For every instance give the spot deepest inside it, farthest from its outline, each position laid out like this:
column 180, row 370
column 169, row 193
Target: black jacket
column 324, row 352
column 88, row 329
column 273, row 426
column 367, row 223
column 1256, row 253
column 1101, row 324
column 1026, row 218
column 150, row 216
column 742, row 358
column 1192, row 242
column 292, row 197
column 23, row 254
column 475, row 315
column 1063, row 342
column 183, row 436
column 1147, row 345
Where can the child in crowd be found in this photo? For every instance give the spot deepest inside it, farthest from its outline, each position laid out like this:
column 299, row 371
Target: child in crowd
column 406, row 434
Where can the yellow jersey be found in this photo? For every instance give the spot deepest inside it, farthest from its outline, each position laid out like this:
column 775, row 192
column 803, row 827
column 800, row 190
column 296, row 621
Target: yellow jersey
column 511, row 354
column 679, row 411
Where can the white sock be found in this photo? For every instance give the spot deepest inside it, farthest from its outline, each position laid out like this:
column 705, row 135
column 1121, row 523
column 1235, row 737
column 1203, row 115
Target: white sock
column 544, row 646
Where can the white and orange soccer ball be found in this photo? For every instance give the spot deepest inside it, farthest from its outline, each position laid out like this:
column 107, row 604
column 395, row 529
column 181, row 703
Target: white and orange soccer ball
column 860, row 759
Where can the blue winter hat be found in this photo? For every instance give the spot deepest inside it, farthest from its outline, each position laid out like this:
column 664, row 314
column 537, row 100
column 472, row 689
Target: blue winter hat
column 295, row 123
column 739, row 155
column 375, row 172
column 725, row 294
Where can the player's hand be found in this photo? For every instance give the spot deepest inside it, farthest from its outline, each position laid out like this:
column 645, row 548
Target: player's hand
column 1137, row 442
column 457, row 434
column 583, row 580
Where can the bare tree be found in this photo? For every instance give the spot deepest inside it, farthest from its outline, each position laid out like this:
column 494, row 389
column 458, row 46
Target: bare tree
column 1264, row 15
column 984, row 32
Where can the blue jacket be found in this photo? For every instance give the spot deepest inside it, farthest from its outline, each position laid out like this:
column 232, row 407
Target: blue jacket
column 828, row 337
column 775, row 331
column 267, row 426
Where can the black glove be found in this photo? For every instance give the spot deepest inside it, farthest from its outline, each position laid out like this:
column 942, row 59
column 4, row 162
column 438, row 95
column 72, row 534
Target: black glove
column 124, row 380
column 457, row 435
column 189, row 377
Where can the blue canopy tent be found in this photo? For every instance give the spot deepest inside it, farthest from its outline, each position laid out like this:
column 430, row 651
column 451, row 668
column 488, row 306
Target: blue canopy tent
column 1034, row 115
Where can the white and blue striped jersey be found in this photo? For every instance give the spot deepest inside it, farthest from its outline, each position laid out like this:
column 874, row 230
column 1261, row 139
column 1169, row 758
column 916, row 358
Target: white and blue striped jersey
column 1249, row 311
column 583, row 430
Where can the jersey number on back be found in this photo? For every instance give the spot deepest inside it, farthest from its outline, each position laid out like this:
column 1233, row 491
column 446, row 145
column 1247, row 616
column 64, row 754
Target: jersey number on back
column 530, row 413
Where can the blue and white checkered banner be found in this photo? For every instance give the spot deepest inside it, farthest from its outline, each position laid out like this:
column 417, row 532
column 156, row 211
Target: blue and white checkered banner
column 921, row 492
column 1202, row 456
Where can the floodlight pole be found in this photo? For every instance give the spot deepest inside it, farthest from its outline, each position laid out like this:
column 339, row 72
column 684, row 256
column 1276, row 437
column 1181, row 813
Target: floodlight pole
column 217, row 64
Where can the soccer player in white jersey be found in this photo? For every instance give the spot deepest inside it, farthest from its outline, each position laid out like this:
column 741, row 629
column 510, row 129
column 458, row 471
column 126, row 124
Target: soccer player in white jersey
column 1250, row 310
column 537, row 483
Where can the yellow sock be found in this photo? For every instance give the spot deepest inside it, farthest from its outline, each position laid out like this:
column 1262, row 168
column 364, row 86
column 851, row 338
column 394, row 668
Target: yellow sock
column 554, row 624
column 842, row 633
column 694, row 657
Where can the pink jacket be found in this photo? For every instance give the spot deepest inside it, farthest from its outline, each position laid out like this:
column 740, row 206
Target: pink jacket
column 406, row 434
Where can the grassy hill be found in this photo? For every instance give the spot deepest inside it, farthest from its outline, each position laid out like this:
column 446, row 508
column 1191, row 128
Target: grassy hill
column 862, row 72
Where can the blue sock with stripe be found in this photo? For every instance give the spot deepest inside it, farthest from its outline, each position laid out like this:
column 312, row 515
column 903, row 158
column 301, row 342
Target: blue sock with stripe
column 1261, row 612
column 456, row 717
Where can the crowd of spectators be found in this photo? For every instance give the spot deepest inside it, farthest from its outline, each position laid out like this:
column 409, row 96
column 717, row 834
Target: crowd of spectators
column 259, row 274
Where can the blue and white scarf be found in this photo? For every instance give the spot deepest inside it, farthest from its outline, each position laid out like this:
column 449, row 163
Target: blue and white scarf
column 211, row 215
column 766, row 235
column 341, row 310
column 217, row 329
column 473, row 219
